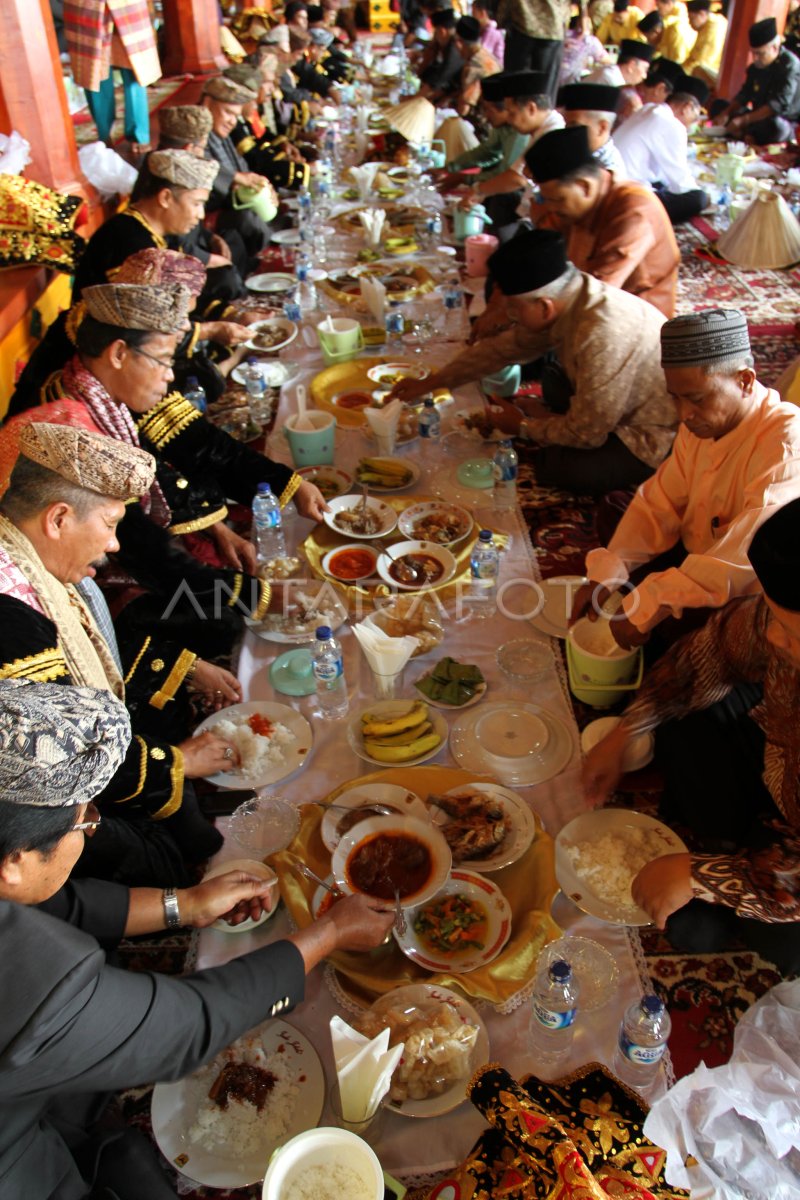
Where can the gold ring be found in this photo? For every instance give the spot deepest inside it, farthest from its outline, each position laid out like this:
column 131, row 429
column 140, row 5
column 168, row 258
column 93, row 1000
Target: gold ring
column 228, row 753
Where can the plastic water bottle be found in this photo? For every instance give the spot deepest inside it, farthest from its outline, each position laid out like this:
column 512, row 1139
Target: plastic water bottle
column 555, row 1000
column 256, row 387
column 268, row 536
column 328, row 667
column 724, row 208
column 433, row 230
column 429, row 425
column 195, row 394
column 484, row 566
column 291, row 307
column 302, row 265
column 304, row 202
column 454, row 309
column 506, row 466
column 395, row 324
column 643, row 1037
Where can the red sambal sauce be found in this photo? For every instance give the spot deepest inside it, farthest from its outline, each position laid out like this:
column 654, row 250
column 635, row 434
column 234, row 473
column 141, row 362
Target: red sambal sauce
column 386, row 861
column 352, row 564
column 260, row 724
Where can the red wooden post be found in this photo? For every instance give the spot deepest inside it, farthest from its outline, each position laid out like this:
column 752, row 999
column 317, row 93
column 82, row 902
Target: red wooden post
column 191, row 37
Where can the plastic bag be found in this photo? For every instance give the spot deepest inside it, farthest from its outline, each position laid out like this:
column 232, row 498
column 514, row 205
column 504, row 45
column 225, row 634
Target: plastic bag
column 15, row 153
column 106, row 171
column 740, row 1121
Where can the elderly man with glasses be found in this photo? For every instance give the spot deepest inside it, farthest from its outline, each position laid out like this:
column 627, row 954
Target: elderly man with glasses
column 74, row 1028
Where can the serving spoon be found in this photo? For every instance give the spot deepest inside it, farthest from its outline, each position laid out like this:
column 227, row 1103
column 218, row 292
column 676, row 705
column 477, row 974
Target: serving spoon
column 407, row 572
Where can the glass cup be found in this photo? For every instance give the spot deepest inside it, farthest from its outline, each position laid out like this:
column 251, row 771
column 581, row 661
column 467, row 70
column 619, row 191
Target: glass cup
column 387, row 687
column 369, row 1128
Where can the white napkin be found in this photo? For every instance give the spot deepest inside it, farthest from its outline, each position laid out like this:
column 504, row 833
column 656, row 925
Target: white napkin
column 360, row 141
column 385, row 655
column 364, row 177
column 362, row 117
column 373, row 225
column 363, row 1067
column 373, row 293
column 383, row 421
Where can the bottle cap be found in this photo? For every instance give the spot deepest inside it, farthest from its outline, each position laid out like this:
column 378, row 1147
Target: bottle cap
column 324, row 633
column 264, row 489
column 561, row 971
column 192, row 382
column 429, row 401
column 485, row 535
column 251, row 358
column 652, row 1005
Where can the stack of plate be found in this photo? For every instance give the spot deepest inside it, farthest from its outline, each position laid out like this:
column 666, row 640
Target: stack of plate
column 519, row 744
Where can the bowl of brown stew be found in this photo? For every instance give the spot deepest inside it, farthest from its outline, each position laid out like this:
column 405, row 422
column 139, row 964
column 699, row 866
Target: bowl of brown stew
column 434, row 565
column 384, row 853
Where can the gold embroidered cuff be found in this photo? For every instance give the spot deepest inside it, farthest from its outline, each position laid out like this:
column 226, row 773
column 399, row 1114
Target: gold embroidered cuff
column 176, row 796
column 236, row 590
column 262, row 608
column 138, row 659
column 246, row 144
column 169, row 687
column 43, row 667
column 167, row 419
column 199, row 523
column 290, row 489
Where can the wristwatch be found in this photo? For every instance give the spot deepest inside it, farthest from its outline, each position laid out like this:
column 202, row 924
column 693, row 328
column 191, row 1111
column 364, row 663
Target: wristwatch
column 172, row 913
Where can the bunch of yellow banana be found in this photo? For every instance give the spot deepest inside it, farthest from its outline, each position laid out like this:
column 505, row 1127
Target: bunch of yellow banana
column 383, row 472
column 401, row 737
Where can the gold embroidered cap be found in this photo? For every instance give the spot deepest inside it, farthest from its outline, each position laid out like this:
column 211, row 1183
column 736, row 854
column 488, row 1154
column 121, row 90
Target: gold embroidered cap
column 161, row 309
column 182, row 168
column 185, row 122
column 59, row 746
column 228, row 92
column 153, row 266
column 89, row 460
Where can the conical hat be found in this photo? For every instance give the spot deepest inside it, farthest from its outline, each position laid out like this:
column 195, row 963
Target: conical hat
column 767, row 234
column 457, row 135
column 414, row 118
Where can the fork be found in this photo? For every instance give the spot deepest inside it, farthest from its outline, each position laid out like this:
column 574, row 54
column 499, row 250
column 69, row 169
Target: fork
column 399, row 915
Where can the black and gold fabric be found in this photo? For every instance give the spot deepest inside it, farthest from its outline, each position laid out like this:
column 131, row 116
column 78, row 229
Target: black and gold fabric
column 37, row 225
column 578, row 1138
column 151, row 775
column 267, row 155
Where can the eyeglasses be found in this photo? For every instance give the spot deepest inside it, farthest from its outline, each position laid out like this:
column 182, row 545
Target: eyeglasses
column 88, row 826
column 166, row 364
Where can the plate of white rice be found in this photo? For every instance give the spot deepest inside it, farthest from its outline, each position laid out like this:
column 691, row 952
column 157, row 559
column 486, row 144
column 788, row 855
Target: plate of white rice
column 600, row 853
column 230, row 1147
column 272, row 740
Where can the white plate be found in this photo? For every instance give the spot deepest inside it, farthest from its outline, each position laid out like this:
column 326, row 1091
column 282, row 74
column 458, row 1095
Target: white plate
column 461, row 428
column 406, row 802
column 425, row 994
column 517, row 839
column 286, row 327
column 324, row 599
column 286, row 237
column 253, row 867
column 387, row 515
column 174, row 1106
column 408, row 370
column 412, row 467
column 295, row 755
column 498, row 910
column 316, row 274
column 422, row 831
column 476, row 738
column 442, row 555
column 271, row 281
column 274, row 374
column 332, row 477
column 393, row 708
column 452, row 513
column 558, row 592
column 590, row 826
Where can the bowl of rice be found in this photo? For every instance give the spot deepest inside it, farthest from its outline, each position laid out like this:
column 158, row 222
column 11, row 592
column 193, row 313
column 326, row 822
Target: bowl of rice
column 600, row 853
column 324, row 1164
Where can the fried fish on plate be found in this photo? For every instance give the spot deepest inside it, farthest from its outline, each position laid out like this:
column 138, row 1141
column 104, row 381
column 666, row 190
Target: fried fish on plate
column 478, row 825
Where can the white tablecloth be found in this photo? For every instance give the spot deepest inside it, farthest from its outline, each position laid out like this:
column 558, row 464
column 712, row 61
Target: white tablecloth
column 409, row 1147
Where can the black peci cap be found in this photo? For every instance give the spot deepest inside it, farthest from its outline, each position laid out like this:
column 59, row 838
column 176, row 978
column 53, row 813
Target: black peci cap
column 628, row 48
column 468, row 29
column 588, row 97
column 529, row 261
column 559, row 153
column 763, row 32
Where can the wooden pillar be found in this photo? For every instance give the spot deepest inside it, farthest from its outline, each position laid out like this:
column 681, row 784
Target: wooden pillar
column 34, row 101
column 191, row 37
column 736, row 57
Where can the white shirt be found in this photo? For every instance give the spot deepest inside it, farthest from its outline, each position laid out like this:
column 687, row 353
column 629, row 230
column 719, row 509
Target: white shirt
column 654, row 147
column 553, row 120
column 713, row 496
